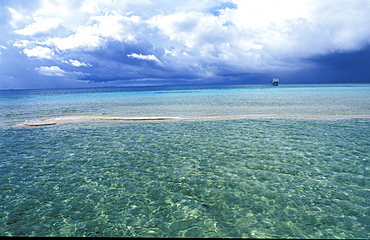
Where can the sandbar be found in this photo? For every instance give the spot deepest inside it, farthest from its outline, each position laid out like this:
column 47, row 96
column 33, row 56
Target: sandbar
column 51, row 121
column 70, row 119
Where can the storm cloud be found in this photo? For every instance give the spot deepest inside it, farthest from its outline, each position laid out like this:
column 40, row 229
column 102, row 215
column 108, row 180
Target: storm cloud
column 56, row 43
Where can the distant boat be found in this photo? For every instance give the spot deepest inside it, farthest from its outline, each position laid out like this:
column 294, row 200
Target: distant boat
column 275, row 82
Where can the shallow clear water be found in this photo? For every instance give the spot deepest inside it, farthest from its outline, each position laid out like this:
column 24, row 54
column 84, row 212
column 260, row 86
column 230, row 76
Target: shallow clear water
column 185, row 101
column 277, row 178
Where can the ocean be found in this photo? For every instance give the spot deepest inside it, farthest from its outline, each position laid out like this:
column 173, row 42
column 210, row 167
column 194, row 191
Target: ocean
column 246, row 161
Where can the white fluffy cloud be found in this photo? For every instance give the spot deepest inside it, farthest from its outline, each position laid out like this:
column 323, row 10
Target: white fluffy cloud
column 77, row 63
column 56, row 71
column 39, row 52
column 50, row 71
column 97, row 31
column 145, row 57
column 40, row 25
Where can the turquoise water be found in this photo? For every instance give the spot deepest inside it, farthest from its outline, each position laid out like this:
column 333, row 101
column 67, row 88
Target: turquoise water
column 185, row 101
column 254, row 178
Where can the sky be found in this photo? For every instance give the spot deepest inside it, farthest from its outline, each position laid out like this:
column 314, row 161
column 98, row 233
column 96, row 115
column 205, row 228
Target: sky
column 97, row 43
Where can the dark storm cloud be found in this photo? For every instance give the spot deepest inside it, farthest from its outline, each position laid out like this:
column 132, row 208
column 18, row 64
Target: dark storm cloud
column 53, row 43
column 342, row 67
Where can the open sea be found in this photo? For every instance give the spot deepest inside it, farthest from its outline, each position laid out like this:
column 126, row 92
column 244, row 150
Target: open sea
column 267, row 176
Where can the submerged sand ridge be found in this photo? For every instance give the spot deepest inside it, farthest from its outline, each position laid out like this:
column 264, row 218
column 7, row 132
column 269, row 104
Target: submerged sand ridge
column 71, row 119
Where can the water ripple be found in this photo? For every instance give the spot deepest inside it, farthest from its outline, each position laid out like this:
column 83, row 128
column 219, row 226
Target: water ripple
column 225, row 178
